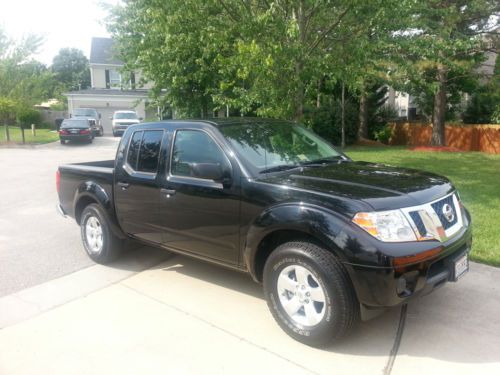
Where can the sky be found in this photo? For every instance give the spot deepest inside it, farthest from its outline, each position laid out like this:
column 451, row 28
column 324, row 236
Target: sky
column 63, row 23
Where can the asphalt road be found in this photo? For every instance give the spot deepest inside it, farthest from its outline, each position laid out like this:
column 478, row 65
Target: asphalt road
column 36, row 244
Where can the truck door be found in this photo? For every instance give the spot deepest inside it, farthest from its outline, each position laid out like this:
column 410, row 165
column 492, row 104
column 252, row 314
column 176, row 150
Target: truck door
column 136, row 190
column 200, row 199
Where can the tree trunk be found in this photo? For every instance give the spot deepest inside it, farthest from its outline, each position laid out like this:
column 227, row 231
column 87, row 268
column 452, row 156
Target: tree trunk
column 7, row 135
column 438, row 128
column 22, row 134
column 299, row 95
column 342, row 142
column 363, row 117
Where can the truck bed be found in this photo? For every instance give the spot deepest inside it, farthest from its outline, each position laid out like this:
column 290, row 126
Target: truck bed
column 77, row 177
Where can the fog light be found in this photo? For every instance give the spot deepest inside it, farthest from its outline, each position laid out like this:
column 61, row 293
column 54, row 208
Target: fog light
column 401, row 286
column 407, row 283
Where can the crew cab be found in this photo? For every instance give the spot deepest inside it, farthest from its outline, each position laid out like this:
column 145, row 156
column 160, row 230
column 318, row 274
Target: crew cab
column 92, row 116
column 332, row 240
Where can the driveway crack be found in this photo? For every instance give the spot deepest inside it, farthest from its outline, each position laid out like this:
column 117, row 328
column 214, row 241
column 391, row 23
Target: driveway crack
column 397, row 340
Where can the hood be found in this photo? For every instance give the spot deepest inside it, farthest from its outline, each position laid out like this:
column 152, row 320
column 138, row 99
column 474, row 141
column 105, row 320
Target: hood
column 126, row 121
column 382, row 187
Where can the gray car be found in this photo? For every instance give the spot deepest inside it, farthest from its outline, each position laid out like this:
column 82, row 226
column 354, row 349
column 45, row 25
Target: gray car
column 94, row 119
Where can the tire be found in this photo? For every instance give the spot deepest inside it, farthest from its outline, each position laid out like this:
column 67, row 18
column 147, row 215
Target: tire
column 63, row 141
column 323, row 307
column 101, row 132
column 109, row 246
column 114, row 134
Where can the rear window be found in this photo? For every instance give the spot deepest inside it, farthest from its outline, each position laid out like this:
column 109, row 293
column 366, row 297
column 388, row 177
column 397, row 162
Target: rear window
column 144, row 150
column 75, row 124
column 85, row 112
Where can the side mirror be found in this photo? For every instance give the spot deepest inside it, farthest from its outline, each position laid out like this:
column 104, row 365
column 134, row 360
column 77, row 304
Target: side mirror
column 211, row 171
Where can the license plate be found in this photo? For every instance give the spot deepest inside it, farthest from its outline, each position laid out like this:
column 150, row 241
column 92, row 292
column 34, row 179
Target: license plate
column 74, row 131
column 461, row 266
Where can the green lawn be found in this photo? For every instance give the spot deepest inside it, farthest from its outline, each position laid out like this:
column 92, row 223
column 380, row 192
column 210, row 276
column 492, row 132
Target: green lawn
column 42, row 135
column 476, row 176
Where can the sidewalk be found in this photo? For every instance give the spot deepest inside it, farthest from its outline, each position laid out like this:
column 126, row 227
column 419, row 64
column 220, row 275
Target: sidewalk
column 188, row 317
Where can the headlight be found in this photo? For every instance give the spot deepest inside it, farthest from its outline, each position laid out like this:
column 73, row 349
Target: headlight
column 387, row 226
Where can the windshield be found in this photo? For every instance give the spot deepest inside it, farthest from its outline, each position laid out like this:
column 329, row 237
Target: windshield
column 74, row 124
column 275, row 146
column 84, row 112
column 126, row 115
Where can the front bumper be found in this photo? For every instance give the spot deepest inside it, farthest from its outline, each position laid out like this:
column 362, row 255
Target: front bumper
column 377, row 287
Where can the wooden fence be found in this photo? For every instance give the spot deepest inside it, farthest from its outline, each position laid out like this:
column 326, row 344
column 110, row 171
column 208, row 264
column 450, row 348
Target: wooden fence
column 485, row 138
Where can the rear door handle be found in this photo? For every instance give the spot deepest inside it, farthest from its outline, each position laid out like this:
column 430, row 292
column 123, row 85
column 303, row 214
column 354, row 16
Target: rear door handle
column 123, row 185
column 167, row 192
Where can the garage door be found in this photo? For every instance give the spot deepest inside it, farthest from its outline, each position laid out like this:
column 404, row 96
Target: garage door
column 106, row 113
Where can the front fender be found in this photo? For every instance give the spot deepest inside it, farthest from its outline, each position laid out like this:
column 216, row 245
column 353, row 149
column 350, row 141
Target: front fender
column 322, row 224
column 90, row 190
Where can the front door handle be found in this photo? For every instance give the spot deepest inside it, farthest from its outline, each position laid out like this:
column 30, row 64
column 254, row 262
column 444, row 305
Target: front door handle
column 167, row 192
column 123, row 185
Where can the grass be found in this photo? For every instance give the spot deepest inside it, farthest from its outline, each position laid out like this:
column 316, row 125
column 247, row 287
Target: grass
column 42, row 135
column 476, row 175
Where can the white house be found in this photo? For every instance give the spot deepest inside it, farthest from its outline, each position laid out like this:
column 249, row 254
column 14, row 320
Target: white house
column 111, row 90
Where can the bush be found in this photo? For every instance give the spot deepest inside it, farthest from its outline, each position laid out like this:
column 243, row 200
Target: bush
column 327, row 122
column 495, row 117
column 27, row 116
column 378, row 122
column 480, row 108
column 384, row 134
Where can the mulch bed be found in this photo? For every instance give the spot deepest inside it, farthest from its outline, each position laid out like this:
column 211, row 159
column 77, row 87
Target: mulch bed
column 435, row 149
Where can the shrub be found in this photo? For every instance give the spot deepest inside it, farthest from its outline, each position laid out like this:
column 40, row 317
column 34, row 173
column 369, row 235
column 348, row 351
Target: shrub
column 495, row 117
column 384, row 134
column 27, row 116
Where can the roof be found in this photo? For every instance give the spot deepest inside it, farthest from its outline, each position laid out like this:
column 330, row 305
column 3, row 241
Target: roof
column 225, row 121
column 109, row 92
column 102, row 51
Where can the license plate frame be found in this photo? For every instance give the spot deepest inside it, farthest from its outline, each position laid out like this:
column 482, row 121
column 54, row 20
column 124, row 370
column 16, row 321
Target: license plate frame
column 460, row 267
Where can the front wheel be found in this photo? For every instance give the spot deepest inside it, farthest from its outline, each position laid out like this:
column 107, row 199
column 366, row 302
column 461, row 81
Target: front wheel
column 309, row 293
column 100, row 243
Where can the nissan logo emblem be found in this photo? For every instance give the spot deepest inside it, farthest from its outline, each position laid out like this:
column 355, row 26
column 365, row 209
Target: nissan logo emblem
column 448, row 212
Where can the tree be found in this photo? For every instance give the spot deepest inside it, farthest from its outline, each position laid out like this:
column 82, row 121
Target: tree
column 22, row 78
column 7, row 112
column 444, row 42
column 71, row 68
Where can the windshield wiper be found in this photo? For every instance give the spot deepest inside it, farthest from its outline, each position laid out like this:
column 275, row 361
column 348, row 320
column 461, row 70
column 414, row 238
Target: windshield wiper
column 323, row 161
column 278, row 168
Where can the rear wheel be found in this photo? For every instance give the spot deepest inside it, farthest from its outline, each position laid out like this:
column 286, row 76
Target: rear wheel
column 63, row 141
column 100, row 243
column 309, row 293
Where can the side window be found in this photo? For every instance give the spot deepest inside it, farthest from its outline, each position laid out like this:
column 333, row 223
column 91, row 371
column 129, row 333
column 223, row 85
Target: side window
column 149, row 153
column 133, row 150
column 144, row 150
column 193, row 147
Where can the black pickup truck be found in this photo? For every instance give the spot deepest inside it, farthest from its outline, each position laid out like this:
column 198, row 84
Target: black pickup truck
column 332, row 240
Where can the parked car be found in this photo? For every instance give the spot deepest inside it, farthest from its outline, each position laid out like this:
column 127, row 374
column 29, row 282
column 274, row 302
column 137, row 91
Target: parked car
column 331, row 239
column 121, row 120
column 94, row 119
column 75, row 129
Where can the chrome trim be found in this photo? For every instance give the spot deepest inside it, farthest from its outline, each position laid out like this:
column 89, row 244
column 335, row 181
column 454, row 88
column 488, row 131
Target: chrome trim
column 431, row 220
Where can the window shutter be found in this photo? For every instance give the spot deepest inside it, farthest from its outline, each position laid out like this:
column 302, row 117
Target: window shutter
column 107, row 79
column 132, row 80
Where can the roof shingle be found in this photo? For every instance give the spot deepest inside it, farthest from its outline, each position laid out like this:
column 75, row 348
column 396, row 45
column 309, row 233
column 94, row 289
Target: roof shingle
column 102, row 52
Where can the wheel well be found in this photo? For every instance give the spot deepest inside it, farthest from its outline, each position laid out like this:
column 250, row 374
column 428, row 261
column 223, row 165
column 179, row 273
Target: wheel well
column 80, row 206
column 273, row 240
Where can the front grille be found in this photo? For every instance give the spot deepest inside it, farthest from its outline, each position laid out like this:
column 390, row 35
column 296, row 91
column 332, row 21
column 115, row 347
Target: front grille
column 419, row 223
column 438, row 208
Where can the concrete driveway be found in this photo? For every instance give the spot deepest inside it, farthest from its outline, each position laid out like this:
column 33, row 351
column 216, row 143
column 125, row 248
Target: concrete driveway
column 36, row 244
column 154, row 313
column 186, row 317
